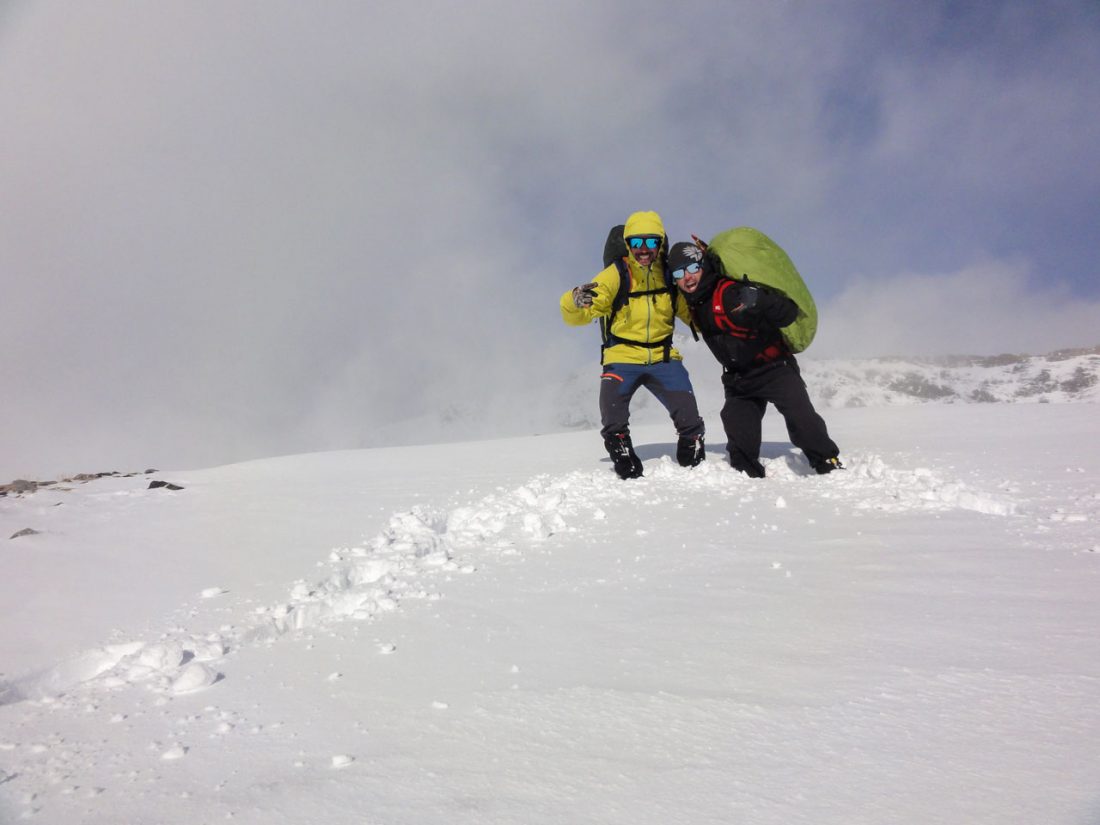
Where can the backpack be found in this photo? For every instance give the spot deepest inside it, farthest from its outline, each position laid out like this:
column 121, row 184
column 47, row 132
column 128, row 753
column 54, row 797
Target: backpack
column 614, row 248
column 748, row 253
column 614, row 252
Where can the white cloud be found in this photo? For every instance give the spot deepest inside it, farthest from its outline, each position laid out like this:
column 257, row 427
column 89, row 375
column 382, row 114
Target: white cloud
column 986, row 309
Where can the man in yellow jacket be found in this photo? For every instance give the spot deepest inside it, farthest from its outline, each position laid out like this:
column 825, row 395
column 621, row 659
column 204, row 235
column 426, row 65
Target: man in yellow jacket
column 637, row 305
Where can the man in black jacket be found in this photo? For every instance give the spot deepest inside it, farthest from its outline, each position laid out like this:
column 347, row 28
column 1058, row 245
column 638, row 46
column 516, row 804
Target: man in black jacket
column 741, row 321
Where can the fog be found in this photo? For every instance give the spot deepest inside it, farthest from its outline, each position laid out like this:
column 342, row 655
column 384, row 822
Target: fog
column 239, row 230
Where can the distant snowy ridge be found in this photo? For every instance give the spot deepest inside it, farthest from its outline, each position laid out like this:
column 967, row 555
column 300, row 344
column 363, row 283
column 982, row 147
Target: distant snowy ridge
column 1058, row 377
column 569, row 402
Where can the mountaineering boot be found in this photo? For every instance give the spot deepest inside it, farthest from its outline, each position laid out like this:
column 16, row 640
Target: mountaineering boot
column 689, row 450
column 827, row 465
column 619, row 447
column 747, row 465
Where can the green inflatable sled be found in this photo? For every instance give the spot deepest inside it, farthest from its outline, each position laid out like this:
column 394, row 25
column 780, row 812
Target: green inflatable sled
column 746, row 252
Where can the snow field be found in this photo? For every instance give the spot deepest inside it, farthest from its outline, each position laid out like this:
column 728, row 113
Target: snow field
column 403, row 560
column 691, row 646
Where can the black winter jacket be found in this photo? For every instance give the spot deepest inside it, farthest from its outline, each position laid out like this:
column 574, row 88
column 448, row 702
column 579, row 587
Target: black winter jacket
column 741, row 321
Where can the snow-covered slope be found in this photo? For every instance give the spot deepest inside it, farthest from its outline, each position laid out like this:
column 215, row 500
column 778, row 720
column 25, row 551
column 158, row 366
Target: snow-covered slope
column 502, row 632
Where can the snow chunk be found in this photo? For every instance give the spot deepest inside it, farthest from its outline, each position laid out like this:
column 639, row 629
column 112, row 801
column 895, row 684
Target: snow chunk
column 162, row 656
column 196, row 676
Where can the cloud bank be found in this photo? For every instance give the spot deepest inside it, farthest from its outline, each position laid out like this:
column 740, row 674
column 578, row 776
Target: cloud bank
column 984, row 309
column 231, row 231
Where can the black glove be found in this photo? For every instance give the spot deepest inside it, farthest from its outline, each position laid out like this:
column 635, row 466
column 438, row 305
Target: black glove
column 749, row 301
column 583, row 295
column 749, row 298
column 755, row 305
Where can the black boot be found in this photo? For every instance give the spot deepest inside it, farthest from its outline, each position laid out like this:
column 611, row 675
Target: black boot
column 749, row 466
column 827, row 465
column 626, row 461
column 689, row 450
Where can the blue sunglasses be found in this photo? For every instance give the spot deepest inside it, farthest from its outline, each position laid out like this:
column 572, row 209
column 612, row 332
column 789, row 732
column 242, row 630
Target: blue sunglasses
column 680, row 273
column 648, row 241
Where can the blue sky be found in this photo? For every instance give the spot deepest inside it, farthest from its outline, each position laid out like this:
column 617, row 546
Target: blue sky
column 230, row 230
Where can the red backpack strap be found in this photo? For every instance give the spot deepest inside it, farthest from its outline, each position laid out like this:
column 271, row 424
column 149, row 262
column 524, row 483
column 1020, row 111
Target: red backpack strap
column 721, row 318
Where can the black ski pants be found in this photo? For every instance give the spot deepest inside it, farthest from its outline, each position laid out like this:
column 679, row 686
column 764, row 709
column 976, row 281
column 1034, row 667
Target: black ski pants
column 747, row 397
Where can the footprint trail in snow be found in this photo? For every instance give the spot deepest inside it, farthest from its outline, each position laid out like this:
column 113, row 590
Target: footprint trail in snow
column 399, row 563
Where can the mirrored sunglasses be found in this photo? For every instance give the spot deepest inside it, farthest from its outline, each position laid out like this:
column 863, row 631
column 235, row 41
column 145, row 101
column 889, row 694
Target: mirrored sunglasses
column 677, row 274
column 648, row 241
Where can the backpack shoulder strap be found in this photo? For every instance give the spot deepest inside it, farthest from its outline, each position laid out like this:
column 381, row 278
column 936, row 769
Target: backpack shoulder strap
column 618, row 302
column 626, row 283
column 721, row 319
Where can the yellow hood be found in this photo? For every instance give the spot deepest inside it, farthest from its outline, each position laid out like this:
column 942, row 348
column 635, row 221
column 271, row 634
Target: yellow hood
column 644, row 223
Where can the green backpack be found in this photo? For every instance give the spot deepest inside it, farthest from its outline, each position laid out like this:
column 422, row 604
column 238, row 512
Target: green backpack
column 748, row 253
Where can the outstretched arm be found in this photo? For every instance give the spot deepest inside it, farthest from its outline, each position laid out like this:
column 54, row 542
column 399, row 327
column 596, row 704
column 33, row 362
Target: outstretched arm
column 583, row 304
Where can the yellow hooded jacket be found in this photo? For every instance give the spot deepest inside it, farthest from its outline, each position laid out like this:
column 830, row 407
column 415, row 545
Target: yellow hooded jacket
column 645, row 318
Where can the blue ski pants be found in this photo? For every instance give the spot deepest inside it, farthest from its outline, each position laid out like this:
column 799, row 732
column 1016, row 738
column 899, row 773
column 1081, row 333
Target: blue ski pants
column 668, row 381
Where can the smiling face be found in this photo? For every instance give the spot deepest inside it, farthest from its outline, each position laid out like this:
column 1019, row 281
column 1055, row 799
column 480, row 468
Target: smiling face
column 685, row 263
column 689, row 282
column 644, row 248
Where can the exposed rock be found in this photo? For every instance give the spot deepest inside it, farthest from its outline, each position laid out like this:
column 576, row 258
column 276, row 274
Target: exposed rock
column 1039, row 384
column 154, row 485
column 1066, row 354
column 26, row 531
column 92, row 476
column 21, row 485
column 916, row 385
column 1080, row 381
column 983, row 396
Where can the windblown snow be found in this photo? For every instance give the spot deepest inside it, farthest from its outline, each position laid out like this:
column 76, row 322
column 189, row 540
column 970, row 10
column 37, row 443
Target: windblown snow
column 514, row 635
